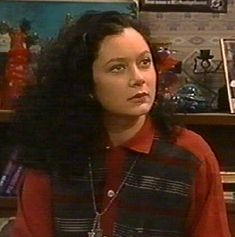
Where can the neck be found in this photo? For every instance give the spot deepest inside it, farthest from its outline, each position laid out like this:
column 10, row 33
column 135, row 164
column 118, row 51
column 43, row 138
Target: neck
column 121, row 129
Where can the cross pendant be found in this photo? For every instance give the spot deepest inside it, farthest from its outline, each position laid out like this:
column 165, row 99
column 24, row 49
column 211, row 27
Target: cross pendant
column 96, row 233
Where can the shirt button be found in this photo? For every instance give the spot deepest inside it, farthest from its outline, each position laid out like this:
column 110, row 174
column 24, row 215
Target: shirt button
column 107, row 147
column 110, row 193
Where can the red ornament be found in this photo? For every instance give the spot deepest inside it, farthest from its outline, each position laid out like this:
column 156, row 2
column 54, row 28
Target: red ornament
column 16, row 69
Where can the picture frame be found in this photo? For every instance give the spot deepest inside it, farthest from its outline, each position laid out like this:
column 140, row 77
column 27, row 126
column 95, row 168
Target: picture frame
column 34, row 24
column 216, row 6
column 227, row 46
column 48, row 16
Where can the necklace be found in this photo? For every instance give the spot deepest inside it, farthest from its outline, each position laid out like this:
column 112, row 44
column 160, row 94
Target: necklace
column 96, row 230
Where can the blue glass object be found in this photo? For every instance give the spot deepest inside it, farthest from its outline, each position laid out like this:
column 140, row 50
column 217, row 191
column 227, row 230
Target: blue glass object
column 189, row 98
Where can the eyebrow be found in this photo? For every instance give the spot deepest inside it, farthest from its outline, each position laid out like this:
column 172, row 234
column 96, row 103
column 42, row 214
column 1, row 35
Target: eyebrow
column 121, row 59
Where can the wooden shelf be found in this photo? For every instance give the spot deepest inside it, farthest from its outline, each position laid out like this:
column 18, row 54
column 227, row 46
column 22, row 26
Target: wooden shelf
column 8, row 206
column 189, row 118
column 6, row 116
column 7, row 202
column 206, row 118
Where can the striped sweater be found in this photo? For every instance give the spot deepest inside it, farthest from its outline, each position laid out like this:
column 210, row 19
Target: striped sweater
column 153, row 202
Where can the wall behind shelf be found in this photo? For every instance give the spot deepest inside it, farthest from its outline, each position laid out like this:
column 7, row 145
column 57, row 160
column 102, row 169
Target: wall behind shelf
column 189, row 31
column 185, row 33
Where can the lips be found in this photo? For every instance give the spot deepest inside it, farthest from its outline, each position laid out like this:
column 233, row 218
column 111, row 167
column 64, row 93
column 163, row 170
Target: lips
column 139, row 95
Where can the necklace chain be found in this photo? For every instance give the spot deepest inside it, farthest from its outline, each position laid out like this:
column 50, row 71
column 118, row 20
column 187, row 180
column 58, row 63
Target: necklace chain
column 96, row 224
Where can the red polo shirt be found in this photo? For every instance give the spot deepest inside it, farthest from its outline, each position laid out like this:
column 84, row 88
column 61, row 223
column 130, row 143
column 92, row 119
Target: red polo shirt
column 207, row 216
column 115, row 158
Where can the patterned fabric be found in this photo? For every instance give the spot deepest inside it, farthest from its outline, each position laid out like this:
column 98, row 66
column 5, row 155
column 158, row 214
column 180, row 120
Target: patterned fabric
column 154, row 201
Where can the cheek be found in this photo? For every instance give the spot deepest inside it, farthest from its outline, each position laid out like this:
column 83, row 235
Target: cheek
column 106, row 93
column 110, row 100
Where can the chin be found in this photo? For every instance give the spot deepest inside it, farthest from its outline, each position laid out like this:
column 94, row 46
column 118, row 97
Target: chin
column 144, row 109
column 132, row 111
column 140, row 112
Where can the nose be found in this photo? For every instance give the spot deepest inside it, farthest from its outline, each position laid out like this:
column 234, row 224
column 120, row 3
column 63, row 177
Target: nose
column 136, row 77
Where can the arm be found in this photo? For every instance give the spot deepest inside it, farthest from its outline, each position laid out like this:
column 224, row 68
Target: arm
column 34, row 210
column 207, row 214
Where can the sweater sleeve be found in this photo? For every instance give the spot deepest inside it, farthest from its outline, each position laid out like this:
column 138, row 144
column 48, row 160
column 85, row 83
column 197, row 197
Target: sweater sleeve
column 207, row 214
column 34, row 207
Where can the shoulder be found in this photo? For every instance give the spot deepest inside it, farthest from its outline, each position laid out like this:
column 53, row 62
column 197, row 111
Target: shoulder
column 36, row 180
column 196, row 144
column 36, row 174
column 208, row 169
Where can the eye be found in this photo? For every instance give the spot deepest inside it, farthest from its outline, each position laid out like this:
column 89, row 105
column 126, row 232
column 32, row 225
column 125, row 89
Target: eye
column 146, row 62
column 117, row 68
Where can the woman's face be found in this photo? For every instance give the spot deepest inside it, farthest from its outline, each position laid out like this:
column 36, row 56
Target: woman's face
column 124, row 74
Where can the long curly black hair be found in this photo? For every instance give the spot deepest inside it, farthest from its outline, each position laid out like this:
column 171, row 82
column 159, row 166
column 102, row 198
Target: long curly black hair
column 56, row 124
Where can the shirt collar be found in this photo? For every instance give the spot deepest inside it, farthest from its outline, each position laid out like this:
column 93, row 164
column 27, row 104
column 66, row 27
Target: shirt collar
column 142, row 141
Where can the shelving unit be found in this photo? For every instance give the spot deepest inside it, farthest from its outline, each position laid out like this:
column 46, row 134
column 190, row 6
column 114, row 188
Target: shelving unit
column 189, row 118
column 206, row 118
column 6, row 116
column 7, row 206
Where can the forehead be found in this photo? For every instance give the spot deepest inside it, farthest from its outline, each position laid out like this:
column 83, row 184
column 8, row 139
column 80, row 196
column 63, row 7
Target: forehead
column 127, row 42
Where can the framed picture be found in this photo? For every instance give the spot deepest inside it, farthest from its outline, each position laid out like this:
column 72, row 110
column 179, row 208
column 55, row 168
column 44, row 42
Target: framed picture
column 216, row 6
column 47, row 17
column 228, row 57
column 32, row 25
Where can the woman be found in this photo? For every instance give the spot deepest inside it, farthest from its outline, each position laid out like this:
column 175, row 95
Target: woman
column 101, row 158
